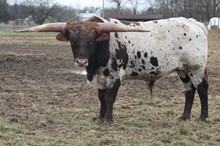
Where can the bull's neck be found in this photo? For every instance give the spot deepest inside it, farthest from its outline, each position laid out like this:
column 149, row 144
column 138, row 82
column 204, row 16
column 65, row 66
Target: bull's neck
column 98, row 59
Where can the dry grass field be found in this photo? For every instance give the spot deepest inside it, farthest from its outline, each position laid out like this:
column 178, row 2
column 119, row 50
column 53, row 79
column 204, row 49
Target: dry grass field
column 43, row 103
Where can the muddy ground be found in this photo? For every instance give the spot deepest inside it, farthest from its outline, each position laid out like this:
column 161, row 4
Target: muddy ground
column 37, row 83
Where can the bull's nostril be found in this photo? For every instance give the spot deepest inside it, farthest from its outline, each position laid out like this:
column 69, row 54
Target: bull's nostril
column 85, row 61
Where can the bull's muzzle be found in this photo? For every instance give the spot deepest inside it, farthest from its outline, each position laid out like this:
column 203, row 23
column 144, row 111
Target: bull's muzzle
column 81, row 62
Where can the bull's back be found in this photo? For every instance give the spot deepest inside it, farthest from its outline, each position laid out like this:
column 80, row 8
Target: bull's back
column 170, row 44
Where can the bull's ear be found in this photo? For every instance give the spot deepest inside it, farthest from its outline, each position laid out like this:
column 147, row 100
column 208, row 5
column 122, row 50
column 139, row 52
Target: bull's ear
column 61, row 37
column 102, row 37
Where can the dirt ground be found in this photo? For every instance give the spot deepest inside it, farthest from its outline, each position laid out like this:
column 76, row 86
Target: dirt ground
column 38, row 87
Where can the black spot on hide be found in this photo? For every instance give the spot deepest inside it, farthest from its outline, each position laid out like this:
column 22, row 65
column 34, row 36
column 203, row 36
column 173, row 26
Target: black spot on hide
column 154, row 61
column 185, row 80
column 132, row 64
column 114, row 65
column 116, row 35
column 121, row 54
column 134, row 74
column 145, row 54
column 106, row 72
column 139, row 54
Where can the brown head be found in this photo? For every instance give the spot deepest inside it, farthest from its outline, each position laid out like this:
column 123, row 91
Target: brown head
column 83, row 37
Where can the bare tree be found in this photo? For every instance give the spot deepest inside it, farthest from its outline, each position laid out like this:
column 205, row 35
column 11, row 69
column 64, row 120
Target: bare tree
column 4, row 14
column 119, row 5
column 40, row 9
column 208, row 8
column 199, row 9
column 135, row 5
column 216, row 3
column 63, row 13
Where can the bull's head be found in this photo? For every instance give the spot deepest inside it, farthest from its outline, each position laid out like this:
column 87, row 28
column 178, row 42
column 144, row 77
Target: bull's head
column 83, row 36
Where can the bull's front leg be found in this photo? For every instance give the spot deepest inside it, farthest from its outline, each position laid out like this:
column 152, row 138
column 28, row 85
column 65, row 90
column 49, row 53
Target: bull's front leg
column 101, row 95
column 110, row 96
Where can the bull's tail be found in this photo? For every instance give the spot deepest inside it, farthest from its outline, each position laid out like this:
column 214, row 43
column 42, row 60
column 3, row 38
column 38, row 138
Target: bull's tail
column 206, row 74
column 150, row 87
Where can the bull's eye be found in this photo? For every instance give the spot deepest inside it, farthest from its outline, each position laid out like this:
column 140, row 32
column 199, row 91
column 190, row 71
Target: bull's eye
column 73, row 43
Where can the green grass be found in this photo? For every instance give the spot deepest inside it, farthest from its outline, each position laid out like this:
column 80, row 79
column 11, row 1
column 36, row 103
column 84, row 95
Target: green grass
column 26, row 34
column 75, row 127
column 29, row 38
column 18, row 135
column 214, row 44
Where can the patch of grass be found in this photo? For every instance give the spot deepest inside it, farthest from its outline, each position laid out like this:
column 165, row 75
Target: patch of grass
column 29, row 38
column 26, row 34
column 213, row 38
column 17, row 135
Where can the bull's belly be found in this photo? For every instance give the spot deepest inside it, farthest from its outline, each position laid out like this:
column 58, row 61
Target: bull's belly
column 147, row 75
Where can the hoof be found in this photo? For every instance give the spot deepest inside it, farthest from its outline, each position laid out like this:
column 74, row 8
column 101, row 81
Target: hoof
column 183, row 118
column 98, row 120
column 202, row 118
column 108, row 120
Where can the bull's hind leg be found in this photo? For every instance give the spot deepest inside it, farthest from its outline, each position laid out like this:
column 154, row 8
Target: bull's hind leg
column 202, row 90
column 199, row 80
column 189, row 94
column 191, row 80
column 189, row 97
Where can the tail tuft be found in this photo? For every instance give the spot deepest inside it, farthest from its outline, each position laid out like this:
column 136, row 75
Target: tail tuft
column 150, row 87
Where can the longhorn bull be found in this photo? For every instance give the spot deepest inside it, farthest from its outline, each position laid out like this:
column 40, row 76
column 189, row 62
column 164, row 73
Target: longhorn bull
column 110, row 54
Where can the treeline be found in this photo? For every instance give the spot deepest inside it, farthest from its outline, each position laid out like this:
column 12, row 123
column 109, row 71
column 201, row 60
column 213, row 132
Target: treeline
column 36, row 10
column 202, row 10
column 41, row 10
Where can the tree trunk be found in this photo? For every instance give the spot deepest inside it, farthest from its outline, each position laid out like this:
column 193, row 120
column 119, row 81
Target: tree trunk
column 214, row 8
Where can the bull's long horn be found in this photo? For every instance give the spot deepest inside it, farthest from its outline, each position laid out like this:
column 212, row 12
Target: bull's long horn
column 111, row 27
column 49, row 27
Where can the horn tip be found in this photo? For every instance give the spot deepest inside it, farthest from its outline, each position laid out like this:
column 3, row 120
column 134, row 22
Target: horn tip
column 22, row 30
